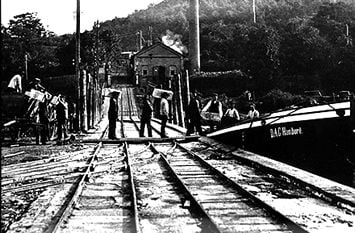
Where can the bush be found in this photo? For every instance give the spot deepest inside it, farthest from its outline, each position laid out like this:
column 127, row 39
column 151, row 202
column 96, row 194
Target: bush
column 277, row 99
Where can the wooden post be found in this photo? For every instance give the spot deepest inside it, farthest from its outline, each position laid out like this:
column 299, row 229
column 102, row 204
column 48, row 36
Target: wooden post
column 93, row 95
column 174, row 102
column 187, row 87
column 180, row 105
column 88, row 99
column 77, row 62
column 84, row 113
column 97, row 100
column 254, row 11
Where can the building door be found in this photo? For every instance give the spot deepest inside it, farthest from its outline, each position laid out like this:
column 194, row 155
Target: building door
column 159, row 75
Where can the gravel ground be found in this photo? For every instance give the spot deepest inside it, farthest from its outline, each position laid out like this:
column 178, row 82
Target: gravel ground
column 14, row 206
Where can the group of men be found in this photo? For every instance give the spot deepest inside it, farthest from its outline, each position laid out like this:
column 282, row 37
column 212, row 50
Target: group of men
column 147, row 113
column 193, row 114
column 45, row 109
column 214, row 106
column 60, row 119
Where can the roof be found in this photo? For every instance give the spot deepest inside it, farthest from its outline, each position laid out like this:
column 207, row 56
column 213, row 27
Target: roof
column 155, row 47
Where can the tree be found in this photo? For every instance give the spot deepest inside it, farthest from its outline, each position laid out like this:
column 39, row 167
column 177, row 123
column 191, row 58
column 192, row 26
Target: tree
column 331, row 20
column 26, row 35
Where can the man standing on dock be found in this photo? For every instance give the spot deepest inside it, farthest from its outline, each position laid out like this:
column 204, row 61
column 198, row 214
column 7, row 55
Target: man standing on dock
column 193, row 116
column 112, row 117
column 214, row 106
column 62, row 116
column 253, row 113
column 146, row 117
column 164, row 113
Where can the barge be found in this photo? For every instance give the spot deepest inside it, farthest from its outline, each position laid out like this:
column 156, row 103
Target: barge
column 317, row 138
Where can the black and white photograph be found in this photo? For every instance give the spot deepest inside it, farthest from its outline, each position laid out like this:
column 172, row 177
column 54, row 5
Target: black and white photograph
column 177, row 116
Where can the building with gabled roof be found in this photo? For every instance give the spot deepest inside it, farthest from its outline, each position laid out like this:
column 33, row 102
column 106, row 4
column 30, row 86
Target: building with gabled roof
column 157, row 64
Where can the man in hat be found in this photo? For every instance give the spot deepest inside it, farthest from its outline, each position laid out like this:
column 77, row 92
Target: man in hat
column 164, row 113
column 214, row 106
column 112, row 116
column 193, row 115
column 146, row 117
column 253, row 113
column 231, row 116
column 36, row 84
column 62, row 116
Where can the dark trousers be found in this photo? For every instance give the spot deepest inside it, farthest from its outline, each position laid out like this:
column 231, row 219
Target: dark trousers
column 192, row 125
column 62, row 129
column 149, row 127
column 164, row 119
column 44, row 133
column 112, row 129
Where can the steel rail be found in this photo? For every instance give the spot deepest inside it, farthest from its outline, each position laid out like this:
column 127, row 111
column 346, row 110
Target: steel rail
column 43, row 175
column 78, row 190
column 168, row 125
column 129, row 99
column 39, row 167
column 69, row 205
column 133, row 190
column 64, row 158
column 50, row 173
column 291, row 224
column 38, row 184
column 213, row 227
column 57, row 167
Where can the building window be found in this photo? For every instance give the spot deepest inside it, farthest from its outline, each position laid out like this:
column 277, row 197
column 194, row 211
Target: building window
column 145, row 70
column 172, row 71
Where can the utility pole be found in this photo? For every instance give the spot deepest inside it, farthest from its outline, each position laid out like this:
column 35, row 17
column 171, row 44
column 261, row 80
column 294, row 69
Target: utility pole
column 194, row 37
column 150, row 42
column 26, row 68
column 140, row 40
column 254, row 11
column 77, row 62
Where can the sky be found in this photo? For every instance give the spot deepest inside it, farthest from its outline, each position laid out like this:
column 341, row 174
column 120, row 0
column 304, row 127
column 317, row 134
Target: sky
column 58, row 16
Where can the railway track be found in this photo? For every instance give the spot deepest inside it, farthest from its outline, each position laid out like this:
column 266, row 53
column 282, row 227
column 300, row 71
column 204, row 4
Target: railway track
column 104, row 201
column 286, row 199
column 227, row 206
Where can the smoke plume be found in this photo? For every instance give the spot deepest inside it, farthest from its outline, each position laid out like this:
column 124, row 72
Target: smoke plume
column 174, row 41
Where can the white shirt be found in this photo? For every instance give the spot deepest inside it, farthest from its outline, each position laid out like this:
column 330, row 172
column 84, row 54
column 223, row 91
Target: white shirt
column 233, row 113
column 208, row 105
column 164, row 107
column 15, row 83
column 253, row 114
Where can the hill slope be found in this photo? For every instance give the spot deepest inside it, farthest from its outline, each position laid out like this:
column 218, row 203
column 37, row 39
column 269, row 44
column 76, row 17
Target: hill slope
column 173, row 15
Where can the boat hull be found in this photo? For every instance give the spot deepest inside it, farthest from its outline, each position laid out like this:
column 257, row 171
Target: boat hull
column 320, row 145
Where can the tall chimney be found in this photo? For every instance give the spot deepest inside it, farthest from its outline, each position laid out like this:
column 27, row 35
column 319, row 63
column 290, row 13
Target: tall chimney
column 194, row 37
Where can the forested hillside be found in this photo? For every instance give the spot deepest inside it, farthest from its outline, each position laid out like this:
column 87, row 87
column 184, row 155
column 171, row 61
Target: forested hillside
column 295, row 44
